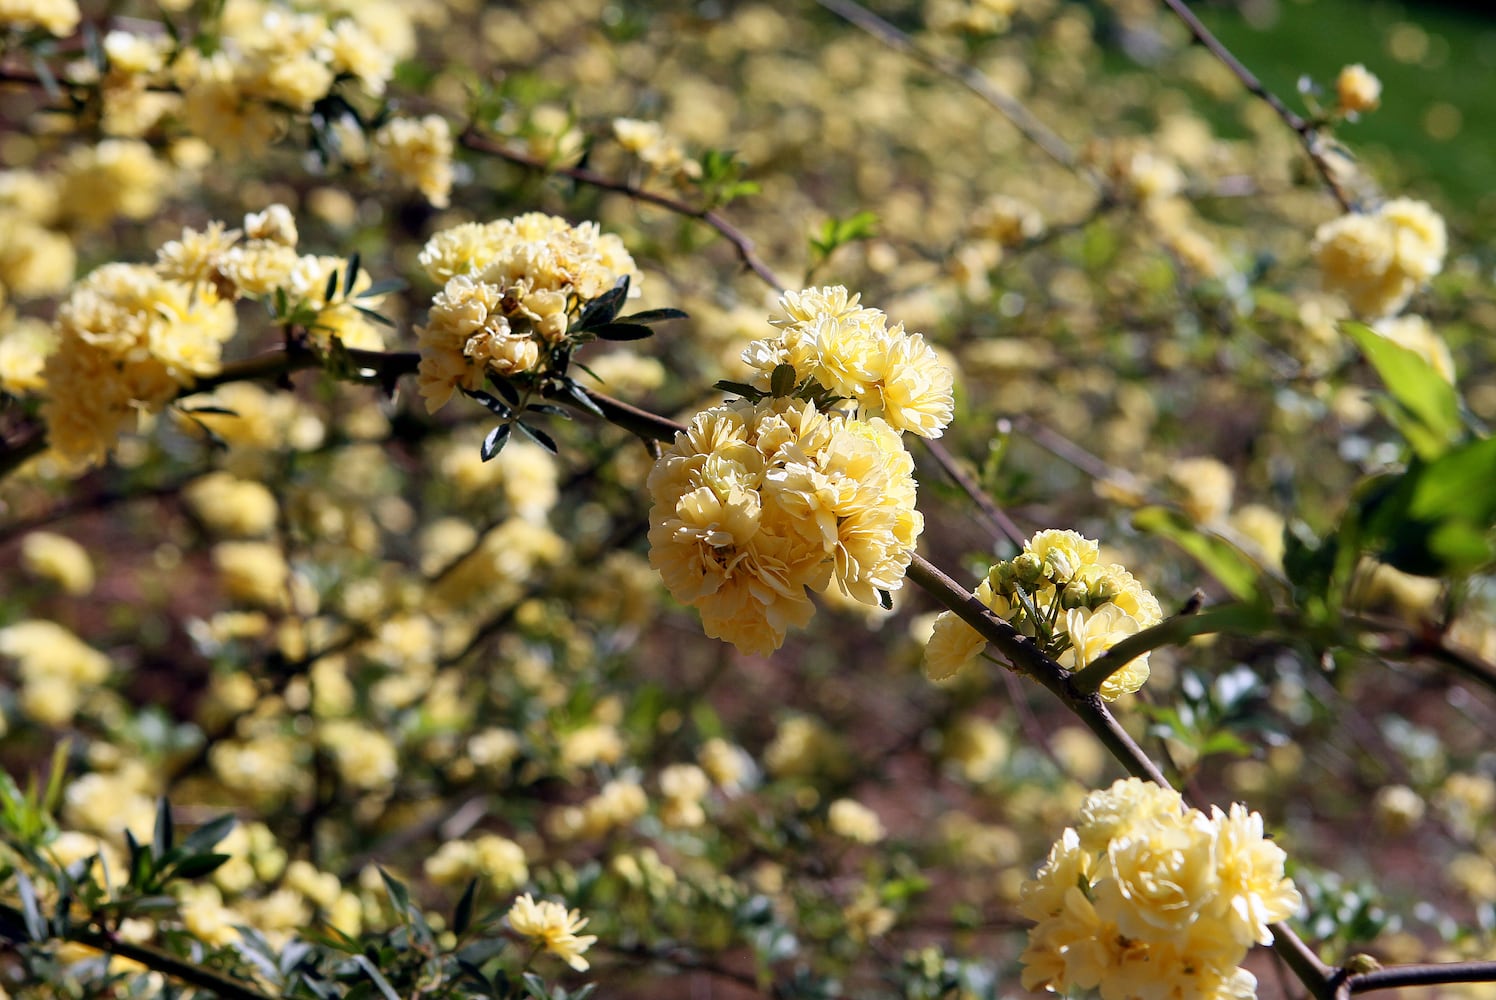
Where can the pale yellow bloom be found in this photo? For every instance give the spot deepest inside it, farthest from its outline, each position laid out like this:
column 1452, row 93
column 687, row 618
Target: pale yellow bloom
column 419, row 152
column 58, row 17
column 1151, row 899
column 851, row 819
column 549, row 924
column 1357, row 89
column 59, row 559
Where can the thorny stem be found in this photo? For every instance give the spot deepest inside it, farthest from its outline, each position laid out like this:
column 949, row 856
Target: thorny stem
column 1414, row 975
column 1308, row 132
column 471, row 139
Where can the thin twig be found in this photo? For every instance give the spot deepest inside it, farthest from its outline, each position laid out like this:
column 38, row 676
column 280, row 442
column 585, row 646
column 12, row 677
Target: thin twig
column 471, row 139
column 1030, row 127
column 997, row 518
column 1307, row 131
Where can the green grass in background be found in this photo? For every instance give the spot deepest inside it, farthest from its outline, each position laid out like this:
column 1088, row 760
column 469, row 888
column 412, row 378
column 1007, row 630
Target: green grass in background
column 1436, row 129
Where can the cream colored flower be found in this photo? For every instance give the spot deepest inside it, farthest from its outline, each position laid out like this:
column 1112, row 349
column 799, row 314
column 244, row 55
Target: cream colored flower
column 59, row 559
column 851, row 819
column 1357, row 89
column 549, row 924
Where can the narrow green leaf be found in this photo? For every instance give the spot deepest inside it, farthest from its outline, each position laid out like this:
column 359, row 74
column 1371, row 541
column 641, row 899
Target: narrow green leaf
column 621, row 331
column 165, row 832
column 350, row 277
column 36, row 924
column 603, row 308
column 370, row 314
column 376, row 977
column 208, row 835
column 330, row 291
column 494, row 442
column 492, row 402
column 885, row 600
column 741, row 388
column 399, row 895
column 384, row 286
column 505, row 389
column 198, row 865
column 549, row 408
column 1228, row 564
column 539, row 436
column 654, row 316
column 462, row 917
column 585, row 401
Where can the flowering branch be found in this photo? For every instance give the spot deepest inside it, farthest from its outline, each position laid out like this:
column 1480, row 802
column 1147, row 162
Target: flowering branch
column 13, row 929
column 471, row 139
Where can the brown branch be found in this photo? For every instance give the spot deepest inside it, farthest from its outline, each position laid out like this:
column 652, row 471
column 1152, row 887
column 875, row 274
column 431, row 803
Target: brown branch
column 1399, row 976
column 13, row 930
column 470, row 139
column 997, row 519
column 1307, row 130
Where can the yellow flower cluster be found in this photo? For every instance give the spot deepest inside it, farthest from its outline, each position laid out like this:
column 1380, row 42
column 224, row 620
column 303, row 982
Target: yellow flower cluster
column 275, row 58
column 128, row 341
column 757, row 503
column 58, row 17
column 1145, row 899
column 1058, row 592
column 261, row 259
column 512, row 289
column 550, row 925
column 1378, row 260
column 655, row 149
column 419, row 152
column 829, row 338
column 57, row 669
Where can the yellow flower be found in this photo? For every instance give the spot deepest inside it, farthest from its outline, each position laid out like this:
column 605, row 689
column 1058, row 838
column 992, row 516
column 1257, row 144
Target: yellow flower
column 1357, row 89
column 419, row 152
column 549, row 924
column 953, row 644
column 59, row 559
column 758, row 503
column 854, row 821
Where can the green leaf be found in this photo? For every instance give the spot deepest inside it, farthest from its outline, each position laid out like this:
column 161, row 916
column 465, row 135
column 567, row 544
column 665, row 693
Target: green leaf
column 208, row 835
column 782, row 380
column 399, row 895
column 603, row 308
column 384, row 286
column 1427, row 410
column 621, row 331
column 583, row 400
column 539, row 436
column 165, row 834
column 370, row 314
column 835, row 233
column 36, row 924
column 376, row 977
column 494, row 442
column 351, row 275
column 198, row 865
column 462, row 917
column 739, row 388
column 654, row 316
column 329, row 293
column 1224, row 561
